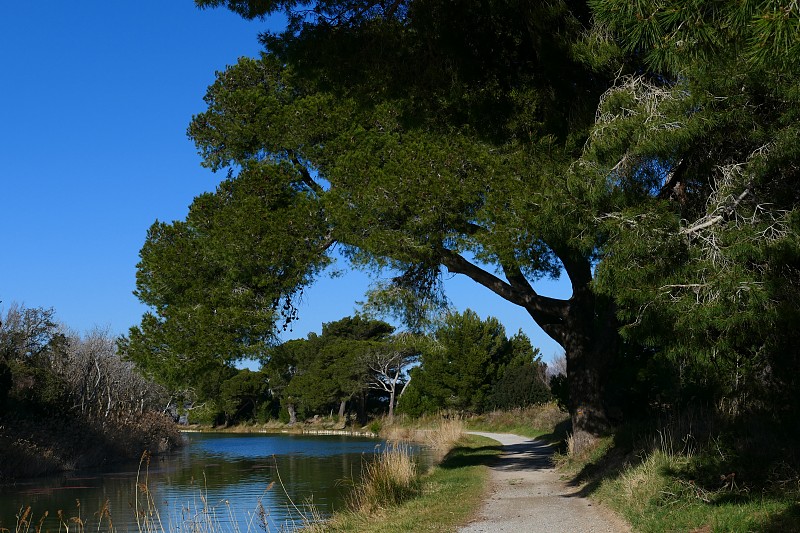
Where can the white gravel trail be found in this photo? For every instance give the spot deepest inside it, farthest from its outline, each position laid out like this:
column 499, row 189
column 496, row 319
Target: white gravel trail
column 528, row 495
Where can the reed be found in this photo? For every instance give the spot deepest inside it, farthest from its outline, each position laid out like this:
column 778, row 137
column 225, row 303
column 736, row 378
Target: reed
column 444, row 435
column 389, row 479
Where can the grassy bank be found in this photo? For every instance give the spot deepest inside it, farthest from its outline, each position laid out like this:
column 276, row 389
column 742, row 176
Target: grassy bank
column 544, row 421
column 695, row 476
column 445, row 497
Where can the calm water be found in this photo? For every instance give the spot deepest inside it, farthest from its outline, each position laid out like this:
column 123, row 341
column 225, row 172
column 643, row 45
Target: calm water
column 221, row 478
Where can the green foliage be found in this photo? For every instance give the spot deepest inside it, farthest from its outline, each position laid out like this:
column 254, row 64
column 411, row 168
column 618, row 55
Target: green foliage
column 559, row 390
column 704, row 271
column 520, row 386
column 671, row 34
column 458, row 372
column 522, row 383
column 316, row 374
column 208, row 413
column 32, row 344
column 243, row 395
column 221, row 281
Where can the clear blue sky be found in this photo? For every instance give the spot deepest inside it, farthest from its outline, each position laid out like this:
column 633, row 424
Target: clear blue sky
column 96, row 98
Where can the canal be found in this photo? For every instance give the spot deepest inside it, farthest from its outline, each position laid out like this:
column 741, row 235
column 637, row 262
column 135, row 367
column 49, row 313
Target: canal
column 217, row 482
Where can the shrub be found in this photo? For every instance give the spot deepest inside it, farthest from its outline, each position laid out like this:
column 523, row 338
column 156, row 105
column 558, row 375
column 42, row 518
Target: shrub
column 520, row 386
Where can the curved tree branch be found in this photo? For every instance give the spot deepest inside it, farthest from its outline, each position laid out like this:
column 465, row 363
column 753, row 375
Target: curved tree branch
column 304, row 173
column 543, row 309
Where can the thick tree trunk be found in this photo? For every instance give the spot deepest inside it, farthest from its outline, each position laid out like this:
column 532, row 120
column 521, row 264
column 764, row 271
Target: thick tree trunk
column 583, row 328
column 589, row 341
column 292, row 413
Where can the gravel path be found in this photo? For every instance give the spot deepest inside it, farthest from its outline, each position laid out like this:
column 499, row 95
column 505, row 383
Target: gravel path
column 529, row 496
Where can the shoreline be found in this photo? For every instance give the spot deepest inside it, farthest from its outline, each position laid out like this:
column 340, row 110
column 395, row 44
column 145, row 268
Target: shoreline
column 283, row 431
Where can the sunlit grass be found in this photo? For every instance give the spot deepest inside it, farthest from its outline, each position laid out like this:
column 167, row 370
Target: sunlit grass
column 533, row 421
column 448, row 496
column 390, row 478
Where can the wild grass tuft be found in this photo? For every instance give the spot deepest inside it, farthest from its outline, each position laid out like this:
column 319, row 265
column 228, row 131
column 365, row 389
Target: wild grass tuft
column 444, row 435
column 438, row 434
column 389, row 479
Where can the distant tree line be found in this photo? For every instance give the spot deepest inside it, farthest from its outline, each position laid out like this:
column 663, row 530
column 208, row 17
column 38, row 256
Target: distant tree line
column 358, row 368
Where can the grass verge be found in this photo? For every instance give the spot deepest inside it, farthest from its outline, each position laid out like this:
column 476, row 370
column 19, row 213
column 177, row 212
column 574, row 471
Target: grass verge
column 701, row 479
column 547, row 421
column 447, row 497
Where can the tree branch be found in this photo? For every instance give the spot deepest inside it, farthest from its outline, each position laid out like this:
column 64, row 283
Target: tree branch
column 712, row 220
column 305, row 175
column 544, row 310
column 674, row 184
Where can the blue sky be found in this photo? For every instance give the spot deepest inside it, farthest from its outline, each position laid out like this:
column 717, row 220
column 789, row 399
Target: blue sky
column 96, row 98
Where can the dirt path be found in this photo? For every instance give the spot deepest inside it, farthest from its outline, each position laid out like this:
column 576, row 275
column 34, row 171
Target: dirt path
column 529, row 496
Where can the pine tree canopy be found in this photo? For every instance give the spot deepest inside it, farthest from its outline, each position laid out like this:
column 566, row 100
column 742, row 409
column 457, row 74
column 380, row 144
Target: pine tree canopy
column 646, row 150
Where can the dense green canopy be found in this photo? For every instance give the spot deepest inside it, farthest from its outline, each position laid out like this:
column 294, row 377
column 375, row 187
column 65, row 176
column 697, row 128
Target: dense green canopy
column 650, row 144
column 461, row 369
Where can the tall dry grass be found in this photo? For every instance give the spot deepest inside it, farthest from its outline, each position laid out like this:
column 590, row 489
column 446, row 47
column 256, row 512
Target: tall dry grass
column 444, row 435
column 439, row 435
column 389, row 479
column 531, row 421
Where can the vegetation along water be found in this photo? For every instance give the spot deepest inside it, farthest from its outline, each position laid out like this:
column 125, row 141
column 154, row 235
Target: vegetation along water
column 645, row 151
column 217, row 479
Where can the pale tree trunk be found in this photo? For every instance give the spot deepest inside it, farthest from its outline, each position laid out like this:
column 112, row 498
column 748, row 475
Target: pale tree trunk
column 342, row 406
column 292, row 413
column 391, row 402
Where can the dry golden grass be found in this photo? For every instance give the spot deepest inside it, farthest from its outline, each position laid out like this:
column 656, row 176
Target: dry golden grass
column 444, row 435
column 390, row 478
column 532, row 421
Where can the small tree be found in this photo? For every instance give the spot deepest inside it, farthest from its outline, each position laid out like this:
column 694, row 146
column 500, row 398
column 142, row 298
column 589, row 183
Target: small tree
column 523, row 381
column 388, row 362
column 459, row 369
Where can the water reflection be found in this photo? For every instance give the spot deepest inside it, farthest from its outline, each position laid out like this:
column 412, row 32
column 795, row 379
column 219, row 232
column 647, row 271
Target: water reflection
column 252, row 482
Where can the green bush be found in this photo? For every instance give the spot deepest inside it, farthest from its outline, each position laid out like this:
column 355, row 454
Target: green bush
column 559, row 389
column 415, row 404
column 208, row 414
column 520, row 386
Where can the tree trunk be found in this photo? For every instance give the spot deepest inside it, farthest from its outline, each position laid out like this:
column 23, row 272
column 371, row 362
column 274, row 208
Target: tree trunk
column 589, row 341
column 292, row 413
column 585, row 329
column 342, row 406
column 391, row 401
column 362, row 408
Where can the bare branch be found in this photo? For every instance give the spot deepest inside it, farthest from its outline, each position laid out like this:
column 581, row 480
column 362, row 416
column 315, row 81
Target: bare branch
column 713, row 219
